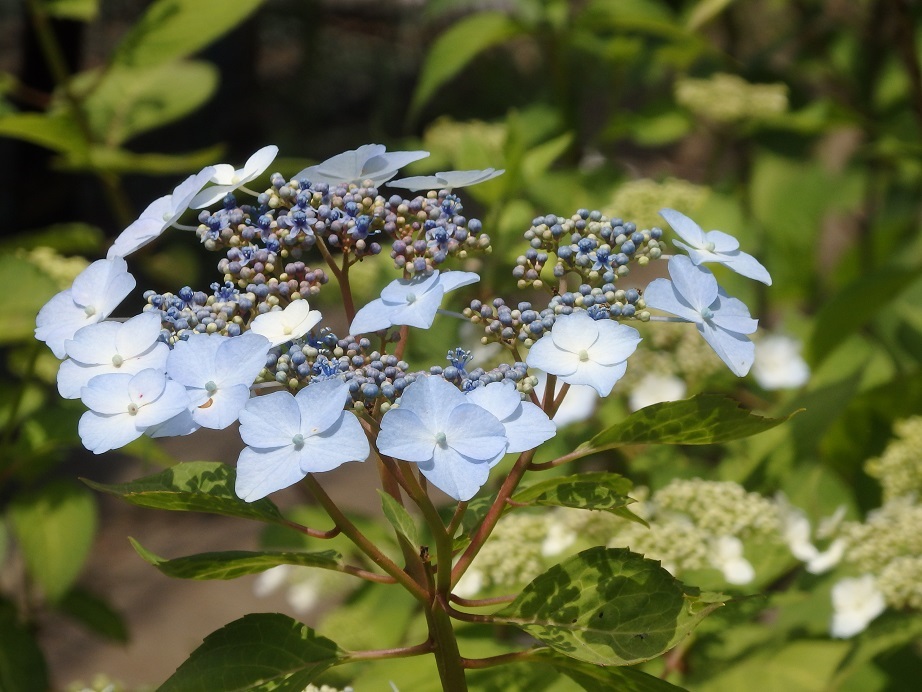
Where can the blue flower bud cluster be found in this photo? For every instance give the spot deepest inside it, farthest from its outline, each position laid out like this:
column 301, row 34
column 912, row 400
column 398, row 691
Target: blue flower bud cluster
column 292, row 216
column 187, row 311
column 590, row 244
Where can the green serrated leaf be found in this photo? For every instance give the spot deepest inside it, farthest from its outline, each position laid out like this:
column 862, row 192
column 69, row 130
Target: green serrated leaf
column 258, row 651
column 399, row 518
column 22, row 665
column 57, row 132
column 230, row 564
column 54, row 528
column 457, row 47
column 593, row 678
column 124, row 102
column 94, row 613
column 194, row 486
column 703, row 419
column 173, row 29
column 608, row 606
column 855, row 306
column 602, row 491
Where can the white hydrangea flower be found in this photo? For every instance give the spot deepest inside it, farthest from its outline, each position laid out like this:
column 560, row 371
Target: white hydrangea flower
column 654, row 388
column 454, row 442
column 855, row 603
column 159, row 215
column 581, row 350
column 726, row 554
column 122, row 407
column 694, row 296
column 228, row 179
column 369, row 162
column 411, row 302
column 281, row 326
column 447, row 180
column 778, row 363
column 96, row 292
column 714, row 246
column 111, row 347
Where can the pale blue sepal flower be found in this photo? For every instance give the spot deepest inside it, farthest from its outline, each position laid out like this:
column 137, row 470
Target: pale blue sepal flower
column 289, row 437
column 714, row 246
column 454, row 441
column 218, row 371
column 369, row 162
column 411, row 302
column 526, row 425
column 122, row 407
column 447, row 180
column 581, row 350
column 694, row 296
column 179, row 425
column 111, row 347
column 95, row 293
column 159, row 215
column 228, row 179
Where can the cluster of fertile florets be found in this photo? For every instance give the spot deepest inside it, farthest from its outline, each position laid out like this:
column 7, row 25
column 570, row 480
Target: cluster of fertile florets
column 589, row 244
column 293, row 216
column 899, row 468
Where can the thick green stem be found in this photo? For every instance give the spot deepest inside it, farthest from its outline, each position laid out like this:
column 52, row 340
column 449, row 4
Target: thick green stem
column 445, row 648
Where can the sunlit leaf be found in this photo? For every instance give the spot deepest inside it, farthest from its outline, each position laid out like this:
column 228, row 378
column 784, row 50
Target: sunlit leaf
column 259, row 651
column 173, row 29
column 58, row 132
column 194, row 486
column 83, row 10
column 608, row 606
column 399, row 518
column 230, row 564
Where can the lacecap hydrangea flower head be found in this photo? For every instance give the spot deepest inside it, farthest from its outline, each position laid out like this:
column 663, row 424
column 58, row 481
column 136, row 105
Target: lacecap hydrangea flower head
column 252, row 348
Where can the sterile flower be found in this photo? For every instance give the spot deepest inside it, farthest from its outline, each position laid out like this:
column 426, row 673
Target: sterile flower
column 581, row 350
column 454, row 441
column 855, row 602
column 159, row 215
column 446, row 180
column 229, row 179
column 726, row 554
column 290, row 436
column 778, row 363
column 110, row 347
column 96, row 292
column 217, row 371
column 654, row 388
column 412, row 302
column 281, row 326
column 122, row 407
column 693, row 295
column 368, row 162
column 714, row 246
column 527, row 426
column 797, row 532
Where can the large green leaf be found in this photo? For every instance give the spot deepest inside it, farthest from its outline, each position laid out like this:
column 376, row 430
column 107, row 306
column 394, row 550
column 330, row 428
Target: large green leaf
column 399, row 518
column 855, row 306
column 261, row 651
column 602, row 491
column 703, row 419
column 608, row 606
column 54, row 528
column 230, row 564
column 22, row 666
column 457, row 47
column 173, row 29
column 126, row 101
column 194, row 486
